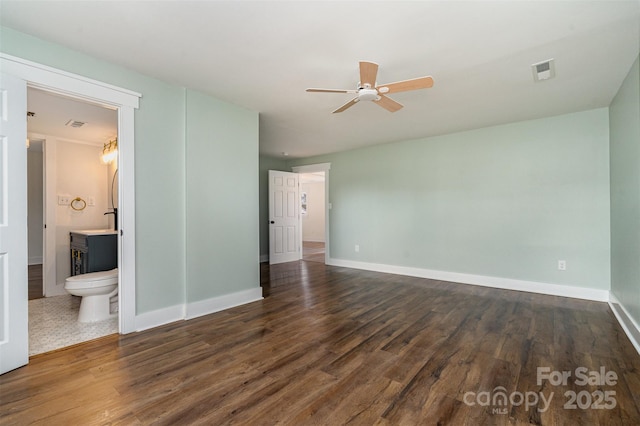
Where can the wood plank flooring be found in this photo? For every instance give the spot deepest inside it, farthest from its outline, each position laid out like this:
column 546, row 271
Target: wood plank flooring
column 333, row 346
column 313, row 251
column 35, row 282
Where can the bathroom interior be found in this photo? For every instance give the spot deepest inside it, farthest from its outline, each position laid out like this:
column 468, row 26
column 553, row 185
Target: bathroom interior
column 72, row 197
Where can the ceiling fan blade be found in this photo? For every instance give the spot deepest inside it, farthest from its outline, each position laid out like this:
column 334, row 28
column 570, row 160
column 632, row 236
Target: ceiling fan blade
column 402, row 86
column 331, row 90
column 349, row 104
column 368, row 73
column 388, row 103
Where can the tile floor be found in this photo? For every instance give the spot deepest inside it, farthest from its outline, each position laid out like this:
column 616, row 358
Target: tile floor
column 53, row 324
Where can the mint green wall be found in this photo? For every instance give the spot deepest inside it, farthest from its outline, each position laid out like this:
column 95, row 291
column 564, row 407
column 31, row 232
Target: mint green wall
column 266, row 164
column 222, row 198
column 624, row 114
column 506, row 201
column 161, row 167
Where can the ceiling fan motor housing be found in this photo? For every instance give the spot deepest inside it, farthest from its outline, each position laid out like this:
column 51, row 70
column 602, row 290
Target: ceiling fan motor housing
column 367, row 90
column 367, row 94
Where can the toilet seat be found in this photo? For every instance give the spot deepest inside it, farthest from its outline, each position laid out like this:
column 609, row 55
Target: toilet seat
column 96, row 289
column 92, row 279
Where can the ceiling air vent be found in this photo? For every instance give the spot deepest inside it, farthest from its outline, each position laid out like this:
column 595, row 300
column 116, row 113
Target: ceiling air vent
column 544, row 70
column 75, row 123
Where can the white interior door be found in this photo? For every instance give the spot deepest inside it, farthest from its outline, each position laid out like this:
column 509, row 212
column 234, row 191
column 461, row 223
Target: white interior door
column 284, row 217
column 49, row 281
column 14, row 336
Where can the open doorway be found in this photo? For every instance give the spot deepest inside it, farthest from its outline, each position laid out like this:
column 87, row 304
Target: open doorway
column 18, row 74
column 312, row 214
column 320, row 250
column 70, row 191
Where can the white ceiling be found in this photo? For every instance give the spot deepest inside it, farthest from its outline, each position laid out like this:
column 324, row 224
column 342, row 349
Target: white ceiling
column 52, row 112
column 263, row 55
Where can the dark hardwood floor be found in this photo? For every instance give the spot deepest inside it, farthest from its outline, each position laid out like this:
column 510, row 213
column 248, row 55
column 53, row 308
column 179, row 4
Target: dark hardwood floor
column 35, row 282
column 333, row 346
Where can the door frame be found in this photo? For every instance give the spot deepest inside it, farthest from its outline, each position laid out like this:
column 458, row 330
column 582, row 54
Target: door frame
column 125, row 102
column 314, row 168
column 49, row 199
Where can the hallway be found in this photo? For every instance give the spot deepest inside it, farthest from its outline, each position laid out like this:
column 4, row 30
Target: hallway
column 313, row 251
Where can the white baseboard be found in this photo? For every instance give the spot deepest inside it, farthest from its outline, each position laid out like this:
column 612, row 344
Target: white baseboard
column 216, row 304
column 58, row 290
column 264, row 258
column 35, row 260
column 189, row 311
column 159, row 317
column 311, row 240
column 481, row 280
column 628, row 324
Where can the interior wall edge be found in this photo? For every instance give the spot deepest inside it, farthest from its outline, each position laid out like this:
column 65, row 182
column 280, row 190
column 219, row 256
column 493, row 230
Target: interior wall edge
column 626, row 321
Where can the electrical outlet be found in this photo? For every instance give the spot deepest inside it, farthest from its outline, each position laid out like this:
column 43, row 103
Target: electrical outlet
column 92, row 201
column 357, row 248
column 562, row 265
column 64, row 200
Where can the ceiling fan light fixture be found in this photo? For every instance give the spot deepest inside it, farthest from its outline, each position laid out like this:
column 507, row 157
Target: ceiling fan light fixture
column 367, row 94
column 367, row 90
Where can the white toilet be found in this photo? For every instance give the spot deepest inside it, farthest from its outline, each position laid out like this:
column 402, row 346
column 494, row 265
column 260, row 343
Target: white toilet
column 96, row 288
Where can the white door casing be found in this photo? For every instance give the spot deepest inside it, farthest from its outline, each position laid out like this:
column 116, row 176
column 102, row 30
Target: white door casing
column 284, row 217
column 14, row 336
column 313, row 168
column 125, row 101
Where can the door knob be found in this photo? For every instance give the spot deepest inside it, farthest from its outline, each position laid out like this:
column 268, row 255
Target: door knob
column 272, row 222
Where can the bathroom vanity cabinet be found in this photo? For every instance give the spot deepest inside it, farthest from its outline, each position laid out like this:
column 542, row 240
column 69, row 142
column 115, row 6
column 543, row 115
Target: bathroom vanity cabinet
column 93, row 251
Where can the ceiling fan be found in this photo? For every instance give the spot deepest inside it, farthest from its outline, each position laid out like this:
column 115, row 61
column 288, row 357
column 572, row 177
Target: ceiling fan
column 368, row 91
